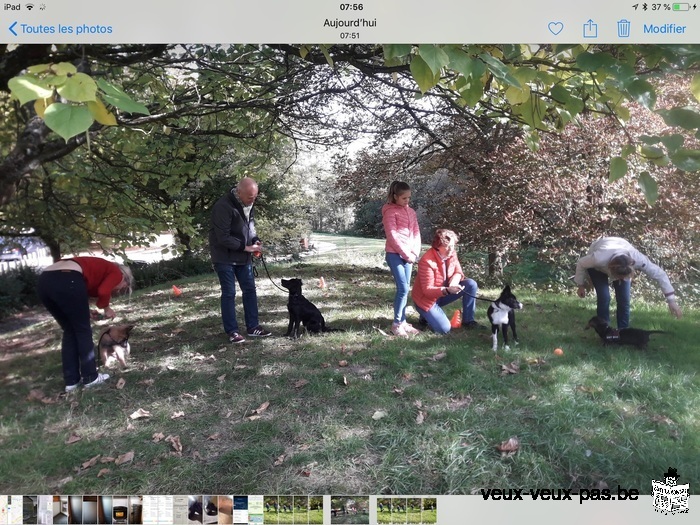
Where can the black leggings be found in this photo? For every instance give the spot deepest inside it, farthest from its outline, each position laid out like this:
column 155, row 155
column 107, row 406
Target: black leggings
column 65, row 296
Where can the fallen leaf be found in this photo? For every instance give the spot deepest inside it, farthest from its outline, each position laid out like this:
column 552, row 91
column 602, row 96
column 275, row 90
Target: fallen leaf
column 191, row 396
column 261, row 408
column 147, row 382
column 91, row 462
column 158, row 436
column 254, row 417
column 74, row 438
column 367, row 377
column 279, row 461
column 102, row 472
column 214, row 436
column 463, row 402
column 35, row 395
column 301, row 383
column 662, row 419
column 140, row 413
column 420, row 417
column 240, row 367
column 178, row 331
column 418, row 403
column 382, row 332
column 536, row 361
column 532, row 397
column 345, row 380
column 65, row 480
column 130, row 426
column 198, row 357
column 106, row 459
column 212, row 357
column 176, row 444
column 407, row 376
column 342, row 348
column 378, row 414
column 305, row 472
column 170, row 367
column 439, row 356
column 221, row 377
column 121, row 383
column 510, row 447
column 510, row 368
column 589, row 389
column 325, row 365
column 48, row 400
column 177, row 414
column 397, row 390
column 125, row 458
column 196, row 454
column 228, row 414
column 343, row 362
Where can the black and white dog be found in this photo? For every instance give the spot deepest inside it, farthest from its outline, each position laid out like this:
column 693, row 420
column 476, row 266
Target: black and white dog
column 501, row 314
column 302, row 311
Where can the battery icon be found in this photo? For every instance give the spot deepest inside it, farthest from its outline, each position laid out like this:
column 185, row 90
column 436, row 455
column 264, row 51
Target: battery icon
column 681, row 6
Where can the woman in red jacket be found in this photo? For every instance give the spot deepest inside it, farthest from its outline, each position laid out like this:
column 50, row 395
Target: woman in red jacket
column 402, row 249
column 440, row 281
column 65, row 288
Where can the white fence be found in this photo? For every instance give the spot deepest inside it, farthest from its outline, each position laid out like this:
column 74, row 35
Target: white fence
column 39, row 259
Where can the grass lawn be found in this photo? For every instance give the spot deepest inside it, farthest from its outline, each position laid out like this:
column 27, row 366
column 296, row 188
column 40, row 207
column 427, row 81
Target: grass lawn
column 353, row 412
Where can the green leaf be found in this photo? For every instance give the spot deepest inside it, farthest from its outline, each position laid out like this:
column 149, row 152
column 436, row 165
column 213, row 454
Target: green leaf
column 650, row 152
column 434, row 56
column 695, row 87
column 392, row 51
column 672, row 142
column 687, row 159
column 101, row 114
column 472, row 93
column 618, row 169
column 683, row 117
column 643, row 92
column 68, row 121
column 64, row 68
column 38, row 68
column 78, row 88
column 119, row 99
column 27, row 88
column 422, row 74
column 499, row 70
column 649, row 187
column 591, row 62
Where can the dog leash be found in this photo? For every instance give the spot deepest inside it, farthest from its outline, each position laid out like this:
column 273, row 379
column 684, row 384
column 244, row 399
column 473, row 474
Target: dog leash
column 262, row 259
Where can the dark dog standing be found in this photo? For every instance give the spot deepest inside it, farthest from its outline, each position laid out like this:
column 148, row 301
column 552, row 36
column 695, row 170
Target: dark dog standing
column 624, row 336
column 501, row 315
column 302, row 311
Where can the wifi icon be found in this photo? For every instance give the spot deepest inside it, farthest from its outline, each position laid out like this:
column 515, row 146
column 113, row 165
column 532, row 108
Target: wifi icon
column 29, row 6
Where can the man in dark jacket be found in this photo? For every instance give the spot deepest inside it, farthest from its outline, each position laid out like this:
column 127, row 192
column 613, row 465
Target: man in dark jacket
column 232, row 242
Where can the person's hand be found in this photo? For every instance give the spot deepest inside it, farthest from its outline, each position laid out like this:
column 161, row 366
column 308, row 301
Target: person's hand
column 109, row 313
column 675, row 309
column 454, row 289
column 581, row 291
column 95, row 315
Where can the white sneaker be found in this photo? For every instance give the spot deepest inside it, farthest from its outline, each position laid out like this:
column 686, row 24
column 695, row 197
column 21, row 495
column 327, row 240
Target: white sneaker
column 398, row 330
column 101, row 378
column 408, row 328
column 72, row 388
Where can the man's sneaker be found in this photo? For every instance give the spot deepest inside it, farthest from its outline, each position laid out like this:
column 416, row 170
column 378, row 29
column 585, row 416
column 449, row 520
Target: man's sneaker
column 101, row 378
column 235, row 337
column 398, row 330
column 72, row 388
column 258, row 331
column 473, row 325
column 408, row 328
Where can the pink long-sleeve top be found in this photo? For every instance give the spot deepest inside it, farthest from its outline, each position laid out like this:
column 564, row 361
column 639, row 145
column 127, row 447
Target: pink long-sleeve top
column 401, row 230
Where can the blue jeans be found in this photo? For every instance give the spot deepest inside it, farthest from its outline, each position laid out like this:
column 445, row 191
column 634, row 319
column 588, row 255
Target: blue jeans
column 436, row 317
column 65, row 295
column 401, row 270
column 623, row 293
column 228, row 274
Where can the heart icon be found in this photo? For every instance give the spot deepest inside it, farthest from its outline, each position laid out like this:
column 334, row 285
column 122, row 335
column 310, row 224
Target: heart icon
column 555, row 27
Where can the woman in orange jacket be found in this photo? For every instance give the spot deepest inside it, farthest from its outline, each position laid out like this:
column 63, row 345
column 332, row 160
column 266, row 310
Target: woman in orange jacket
column 440, row 281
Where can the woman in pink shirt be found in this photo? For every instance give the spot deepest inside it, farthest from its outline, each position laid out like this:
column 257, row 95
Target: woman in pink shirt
column 402, row 249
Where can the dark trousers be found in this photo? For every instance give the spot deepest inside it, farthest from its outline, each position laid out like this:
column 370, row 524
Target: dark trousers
column 65, row 296
column 623, row 293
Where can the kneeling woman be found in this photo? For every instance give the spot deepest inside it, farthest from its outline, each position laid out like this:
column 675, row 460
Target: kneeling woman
column 441, row 281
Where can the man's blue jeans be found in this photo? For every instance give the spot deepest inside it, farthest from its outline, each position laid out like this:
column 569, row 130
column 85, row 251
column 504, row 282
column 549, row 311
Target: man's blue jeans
column 623, row 293
column 401, row 270
column 228, row 274
column 436, row 317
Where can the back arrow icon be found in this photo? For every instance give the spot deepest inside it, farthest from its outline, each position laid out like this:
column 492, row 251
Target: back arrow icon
column 12, row 28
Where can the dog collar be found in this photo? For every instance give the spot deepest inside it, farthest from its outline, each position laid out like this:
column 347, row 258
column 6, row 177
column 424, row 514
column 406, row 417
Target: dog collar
column 612, row 335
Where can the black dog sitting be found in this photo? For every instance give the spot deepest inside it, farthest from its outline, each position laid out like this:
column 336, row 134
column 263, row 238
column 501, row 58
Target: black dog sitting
column 501, row 314
column 302, row 311
column 624, row 336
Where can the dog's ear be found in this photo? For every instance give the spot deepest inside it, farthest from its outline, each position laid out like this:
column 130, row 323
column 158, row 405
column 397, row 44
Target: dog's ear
column 129, row 328
column 507, row 288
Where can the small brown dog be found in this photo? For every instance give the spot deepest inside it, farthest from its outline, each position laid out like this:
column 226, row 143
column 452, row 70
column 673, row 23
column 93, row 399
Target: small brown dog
column 114, row 344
